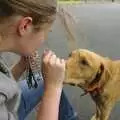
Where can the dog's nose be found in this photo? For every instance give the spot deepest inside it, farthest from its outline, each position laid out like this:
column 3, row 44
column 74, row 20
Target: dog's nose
column 70, row 54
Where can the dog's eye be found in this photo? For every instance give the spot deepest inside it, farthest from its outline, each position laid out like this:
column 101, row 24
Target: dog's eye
column 70, row 55
column 84, row 62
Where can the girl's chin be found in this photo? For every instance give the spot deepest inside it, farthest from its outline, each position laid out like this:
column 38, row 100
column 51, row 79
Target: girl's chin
column 25, row 53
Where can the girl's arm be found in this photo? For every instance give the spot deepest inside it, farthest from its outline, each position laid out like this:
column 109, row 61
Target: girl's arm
column 53, row 72
column 49, row 107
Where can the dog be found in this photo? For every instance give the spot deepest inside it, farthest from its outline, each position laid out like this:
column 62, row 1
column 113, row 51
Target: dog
column 97, row 75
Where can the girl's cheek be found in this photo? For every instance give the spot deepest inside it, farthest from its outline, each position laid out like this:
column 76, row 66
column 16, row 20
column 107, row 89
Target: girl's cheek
column 42, row 41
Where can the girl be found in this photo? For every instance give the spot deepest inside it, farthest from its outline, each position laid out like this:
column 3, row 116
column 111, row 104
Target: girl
column 24, row 24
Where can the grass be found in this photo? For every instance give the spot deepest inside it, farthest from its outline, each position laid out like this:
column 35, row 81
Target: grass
column 69, row 2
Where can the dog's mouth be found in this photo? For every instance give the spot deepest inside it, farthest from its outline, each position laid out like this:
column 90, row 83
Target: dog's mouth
column 72, row 84
column 76, row 85
column 83, row 87
column 80, row 86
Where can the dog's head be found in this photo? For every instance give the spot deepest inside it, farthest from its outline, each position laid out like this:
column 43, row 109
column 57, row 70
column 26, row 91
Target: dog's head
column 84, row 68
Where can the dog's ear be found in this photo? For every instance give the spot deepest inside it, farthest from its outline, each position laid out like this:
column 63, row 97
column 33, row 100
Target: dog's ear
column 107, row 73
column 97, row 79
column 101, row 69
column 98, row 75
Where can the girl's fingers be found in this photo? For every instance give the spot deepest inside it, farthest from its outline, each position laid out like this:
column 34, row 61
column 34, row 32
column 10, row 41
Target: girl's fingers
column 52, row 60
column 47, row 57
column 45, row 52
column 62, row 61
column 57, row 61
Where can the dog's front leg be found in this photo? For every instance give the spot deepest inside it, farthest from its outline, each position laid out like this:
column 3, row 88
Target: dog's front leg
column 103, row 111
column 97, row 114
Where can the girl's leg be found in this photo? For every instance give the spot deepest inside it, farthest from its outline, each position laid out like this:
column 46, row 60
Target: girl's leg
column 31, row 97
column 66, row 111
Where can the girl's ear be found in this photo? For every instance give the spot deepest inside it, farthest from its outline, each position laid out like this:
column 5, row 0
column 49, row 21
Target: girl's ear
column 24, row 26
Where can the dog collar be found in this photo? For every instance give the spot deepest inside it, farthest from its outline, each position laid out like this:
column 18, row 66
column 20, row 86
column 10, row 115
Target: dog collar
column 94, row 87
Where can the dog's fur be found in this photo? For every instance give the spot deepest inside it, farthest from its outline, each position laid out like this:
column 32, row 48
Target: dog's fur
column 96, row 75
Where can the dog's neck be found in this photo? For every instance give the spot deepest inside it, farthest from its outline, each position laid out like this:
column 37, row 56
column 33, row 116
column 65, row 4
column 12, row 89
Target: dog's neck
column 101, row 78
column 94, row 87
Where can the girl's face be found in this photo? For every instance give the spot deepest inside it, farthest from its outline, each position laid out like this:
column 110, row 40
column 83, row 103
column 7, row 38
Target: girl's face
column 31, row 39
column 28, row 44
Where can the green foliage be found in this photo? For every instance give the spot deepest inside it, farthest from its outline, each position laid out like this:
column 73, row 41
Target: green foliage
column 69, row 0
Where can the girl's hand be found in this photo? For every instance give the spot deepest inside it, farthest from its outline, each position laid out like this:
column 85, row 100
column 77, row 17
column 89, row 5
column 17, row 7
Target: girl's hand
column 53, row 69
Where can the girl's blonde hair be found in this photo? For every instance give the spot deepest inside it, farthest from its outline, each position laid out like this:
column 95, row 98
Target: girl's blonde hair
column 41, row 11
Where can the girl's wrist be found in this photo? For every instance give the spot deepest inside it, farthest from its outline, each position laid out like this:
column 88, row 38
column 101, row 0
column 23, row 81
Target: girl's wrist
column 51, row 88
column 54, row 86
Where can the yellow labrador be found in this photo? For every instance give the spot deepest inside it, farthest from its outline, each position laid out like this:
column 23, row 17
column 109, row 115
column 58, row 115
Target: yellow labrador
column 96, row 75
